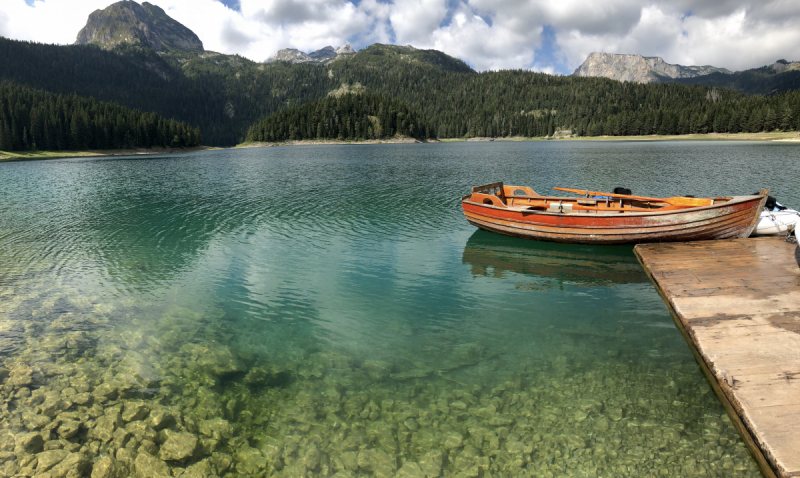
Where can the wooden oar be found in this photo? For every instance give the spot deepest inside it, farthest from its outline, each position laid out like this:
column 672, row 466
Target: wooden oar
column 578, row 207
column 674, row 201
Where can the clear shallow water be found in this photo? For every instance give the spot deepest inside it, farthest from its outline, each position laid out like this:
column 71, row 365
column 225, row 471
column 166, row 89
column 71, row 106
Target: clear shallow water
column 333, row 307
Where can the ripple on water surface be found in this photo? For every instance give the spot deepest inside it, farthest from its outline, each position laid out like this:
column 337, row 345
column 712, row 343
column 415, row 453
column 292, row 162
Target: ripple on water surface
column 328, row 312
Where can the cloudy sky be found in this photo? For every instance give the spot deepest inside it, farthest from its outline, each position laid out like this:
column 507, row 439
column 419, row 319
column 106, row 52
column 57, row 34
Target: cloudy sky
column 544, row 35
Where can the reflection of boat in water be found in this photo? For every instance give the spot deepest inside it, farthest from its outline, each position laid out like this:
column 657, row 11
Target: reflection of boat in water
column 494, row 254
column 605, row 218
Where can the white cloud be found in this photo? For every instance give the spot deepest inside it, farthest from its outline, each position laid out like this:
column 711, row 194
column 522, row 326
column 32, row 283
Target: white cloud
column 416, row 19
column 487, row 47
column 489, row 34
column 549, row 69
column 737, row 40
column 4, row 24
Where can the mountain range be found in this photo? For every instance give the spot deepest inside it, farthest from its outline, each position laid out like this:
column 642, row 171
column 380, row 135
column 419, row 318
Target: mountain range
column 137, row 56
column 321, row 56
column 640, row 69
column 148, row 26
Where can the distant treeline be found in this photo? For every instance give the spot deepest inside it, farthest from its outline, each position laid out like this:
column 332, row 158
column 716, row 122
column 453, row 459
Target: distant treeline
column 663, row 110
column 349, row 116
column 36, row 120
column 225, row 95
column 758, row 81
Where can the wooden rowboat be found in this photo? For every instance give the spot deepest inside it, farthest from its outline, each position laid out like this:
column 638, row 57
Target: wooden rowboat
column 604, row 218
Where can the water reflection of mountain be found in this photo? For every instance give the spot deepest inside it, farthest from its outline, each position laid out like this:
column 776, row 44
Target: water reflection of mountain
column 495, row 255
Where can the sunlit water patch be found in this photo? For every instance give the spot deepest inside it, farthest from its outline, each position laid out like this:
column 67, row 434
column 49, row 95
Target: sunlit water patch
column 326, row 311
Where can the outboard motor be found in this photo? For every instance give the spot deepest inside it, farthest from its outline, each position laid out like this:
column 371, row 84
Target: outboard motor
column 772, row 204
column 625, row 191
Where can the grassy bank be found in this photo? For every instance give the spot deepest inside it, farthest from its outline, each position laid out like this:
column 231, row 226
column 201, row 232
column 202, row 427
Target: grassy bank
column 792, row 136
column 309, row 142
column 32, row 155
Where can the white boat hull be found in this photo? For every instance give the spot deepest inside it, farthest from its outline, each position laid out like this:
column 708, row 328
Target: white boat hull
column 773, row 223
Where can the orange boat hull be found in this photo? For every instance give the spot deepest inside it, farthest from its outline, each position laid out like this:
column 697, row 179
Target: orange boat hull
column 729, row 220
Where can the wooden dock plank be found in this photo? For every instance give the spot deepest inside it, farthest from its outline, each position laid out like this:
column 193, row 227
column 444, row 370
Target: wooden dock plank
column 737, row 304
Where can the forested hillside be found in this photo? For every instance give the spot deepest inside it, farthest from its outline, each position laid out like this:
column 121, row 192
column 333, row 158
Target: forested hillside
column 350, row 116
column 225, row 95
column 757, row 81
column 131, row 76
column 36, row 120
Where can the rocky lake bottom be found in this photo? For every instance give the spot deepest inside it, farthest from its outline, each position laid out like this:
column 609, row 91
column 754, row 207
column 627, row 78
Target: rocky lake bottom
column 166, row 395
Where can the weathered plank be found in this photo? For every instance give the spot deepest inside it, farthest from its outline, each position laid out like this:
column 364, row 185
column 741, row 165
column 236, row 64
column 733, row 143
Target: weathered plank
column 737, row 304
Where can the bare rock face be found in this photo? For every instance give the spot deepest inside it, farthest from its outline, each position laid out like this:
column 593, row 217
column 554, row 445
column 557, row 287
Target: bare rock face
column 145, row 24
column 781, row 66
column 639, row 69
column 291, row 55
column 324, row 55
column 345, row 49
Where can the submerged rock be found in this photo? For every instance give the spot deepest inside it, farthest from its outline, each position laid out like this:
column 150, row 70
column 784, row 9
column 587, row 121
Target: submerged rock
column 69, row 428
column 20, row 376
column 135, row 410
column 431, row 463
column 218, row 429
column 249, row 461
column 160, row 418
column 48, row 459
column 382, row 465
column 108, row 467
column 178, row 446
column 104, row 427
column 30, row 442
column 216, row 360
column 410, row 470
column 74, row 465
column 453, row 440
column 147, row 466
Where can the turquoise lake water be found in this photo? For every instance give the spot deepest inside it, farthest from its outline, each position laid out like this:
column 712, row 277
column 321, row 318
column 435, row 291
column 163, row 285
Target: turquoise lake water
column 330, row 310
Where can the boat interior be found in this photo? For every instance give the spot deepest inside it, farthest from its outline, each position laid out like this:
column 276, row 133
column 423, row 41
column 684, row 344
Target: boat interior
column 523, row 198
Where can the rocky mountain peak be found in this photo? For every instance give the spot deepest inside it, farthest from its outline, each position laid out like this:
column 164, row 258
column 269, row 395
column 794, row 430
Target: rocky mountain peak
column 639, row 69
column 781, row 66
column 323, row 55
column 145, row 24
column 345, row 49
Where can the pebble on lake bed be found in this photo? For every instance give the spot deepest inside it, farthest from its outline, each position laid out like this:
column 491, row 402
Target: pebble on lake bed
column 110, row 403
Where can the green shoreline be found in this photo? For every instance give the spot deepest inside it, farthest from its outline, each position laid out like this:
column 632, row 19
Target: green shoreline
column 38, row 155
column 788, row 137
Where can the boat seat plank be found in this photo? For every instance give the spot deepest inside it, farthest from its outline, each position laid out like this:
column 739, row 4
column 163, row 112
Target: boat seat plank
column 737, row 304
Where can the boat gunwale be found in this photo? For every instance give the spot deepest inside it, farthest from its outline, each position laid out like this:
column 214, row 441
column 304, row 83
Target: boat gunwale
column 615, row 214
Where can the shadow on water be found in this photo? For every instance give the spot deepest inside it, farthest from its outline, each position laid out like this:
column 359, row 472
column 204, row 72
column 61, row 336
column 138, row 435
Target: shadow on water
column 495, row 254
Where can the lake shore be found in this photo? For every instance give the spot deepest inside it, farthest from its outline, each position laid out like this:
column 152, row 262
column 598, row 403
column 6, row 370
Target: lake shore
column 35, row 155
column 316, row 142
column 789, row 137
column 783, row 137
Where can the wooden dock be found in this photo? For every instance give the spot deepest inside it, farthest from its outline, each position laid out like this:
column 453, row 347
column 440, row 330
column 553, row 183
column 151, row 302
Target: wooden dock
column 737, row 304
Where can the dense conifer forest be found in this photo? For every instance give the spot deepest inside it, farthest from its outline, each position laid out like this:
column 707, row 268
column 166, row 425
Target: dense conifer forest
column 36, row 120
column 350, row 116
column 225, row 95
column 756, row 81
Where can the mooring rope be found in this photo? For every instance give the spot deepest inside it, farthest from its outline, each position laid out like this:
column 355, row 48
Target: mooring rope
column 790, row 237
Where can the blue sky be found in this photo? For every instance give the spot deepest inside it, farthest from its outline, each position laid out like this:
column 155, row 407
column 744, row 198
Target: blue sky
column 545, row 35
